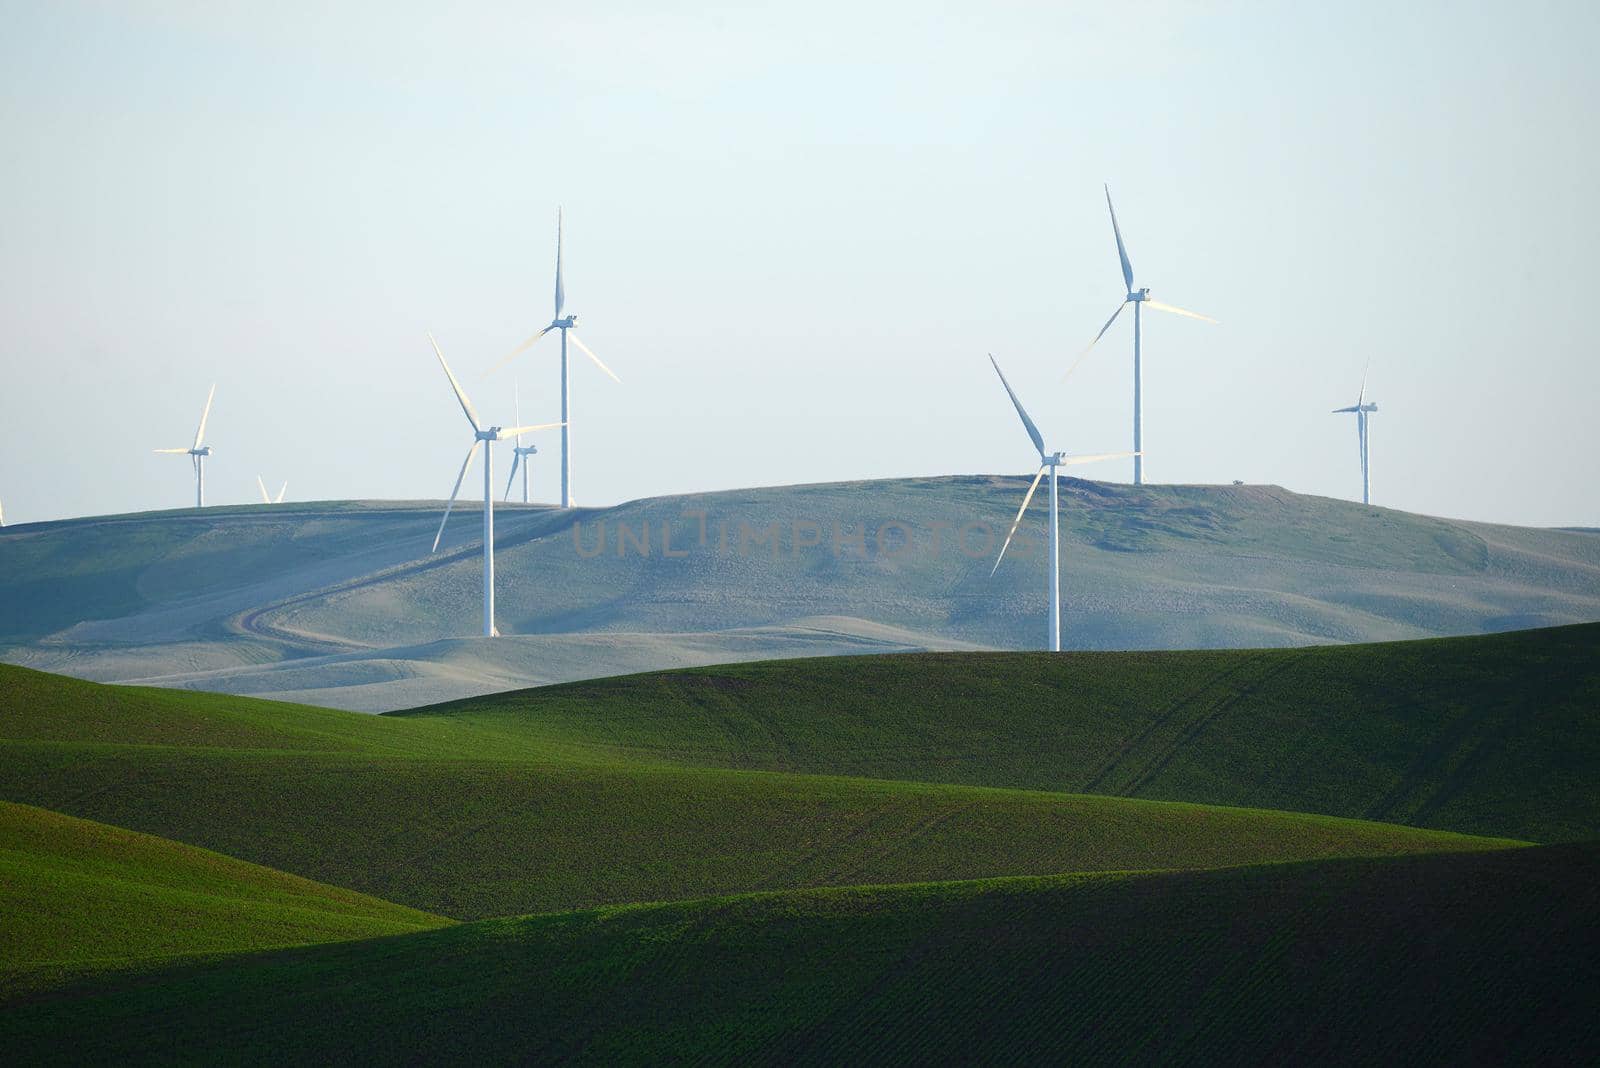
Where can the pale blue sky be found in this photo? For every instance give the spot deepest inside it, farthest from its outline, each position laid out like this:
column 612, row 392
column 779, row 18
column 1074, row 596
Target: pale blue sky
column 794, row 230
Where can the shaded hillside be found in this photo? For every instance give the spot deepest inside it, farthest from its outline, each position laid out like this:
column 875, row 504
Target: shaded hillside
column 1494, row 734
column 1446, row 959
column 345, row 599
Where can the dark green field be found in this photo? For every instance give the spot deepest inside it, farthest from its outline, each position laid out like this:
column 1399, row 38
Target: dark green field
column 1332, row 844
column 1444, row 733
column 1453, row 958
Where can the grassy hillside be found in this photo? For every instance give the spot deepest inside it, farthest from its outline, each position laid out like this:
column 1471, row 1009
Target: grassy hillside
column 1443, row 959
column 471, row 820
column 82, row 897
column 341, row 603
column 1486, row 735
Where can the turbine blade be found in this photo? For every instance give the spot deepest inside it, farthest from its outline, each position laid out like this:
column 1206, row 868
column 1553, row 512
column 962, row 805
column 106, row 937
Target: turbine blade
column 1082, row 355
column 1362, row 396
column 281, row 491
column 516, row 458
column 1094, row 458
column 561, row 293
column 518, row 351
column 452, row 502
column 1015, row 523
column 518, row 431
column 170, row 450
column 466, row 405
column 262, row 486
column 585, row 349
column 1175, row 310
column 1033, row 431
column 1352, row 408
column 1122, row 252
column 201, row 433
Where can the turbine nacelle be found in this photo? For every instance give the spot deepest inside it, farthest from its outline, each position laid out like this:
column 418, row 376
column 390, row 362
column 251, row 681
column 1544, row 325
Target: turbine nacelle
column 1139, row 294
column 204, row 450
column 564, row 324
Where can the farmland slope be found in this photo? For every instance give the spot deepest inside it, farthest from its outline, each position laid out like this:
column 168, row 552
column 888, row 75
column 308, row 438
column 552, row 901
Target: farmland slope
column 469, row 820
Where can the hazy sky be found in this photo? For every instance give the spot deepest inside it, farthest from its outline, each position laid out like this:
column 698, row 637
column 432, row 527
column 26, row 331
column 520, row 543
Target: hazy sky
column 794, row 230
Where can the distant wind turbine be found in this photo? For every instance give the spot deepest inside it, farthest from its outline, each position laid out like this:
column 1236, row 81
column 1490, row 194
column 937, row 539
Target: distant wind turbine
column 1048, row 461
column 565, row 326
column 482, row 436
column 520, row 453
column 1136, row 297
column 1362, row 408
column 198, row 452
column 262, row 486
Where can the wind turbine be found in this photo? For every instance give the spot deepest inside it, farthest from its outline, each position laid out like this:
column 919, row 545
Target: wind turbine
column 520, row 454
column 484, row 436
column 1048, row 461
column 198, row 452
column 270, row 500
column 564, row 325
column 1136, row 297
column 1362, row 408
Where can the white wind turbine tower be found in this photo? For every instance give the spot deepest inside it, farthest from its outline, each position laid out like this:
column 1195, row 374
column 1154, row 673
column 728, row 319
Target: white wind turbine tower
column 1136, row 297
column 1362, row 408
column 265, row 499
column 520, row 454
column 564, row 325
column 198, row 452
column 482, row 436
column 1048, row 461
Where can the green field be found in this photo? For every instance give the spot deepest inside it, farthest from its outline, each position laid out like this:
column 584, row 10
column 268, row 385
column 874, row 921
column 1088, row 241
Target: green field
column 102, row 898
column 612, row 791
column 1446, row 959
column 1447, row 733
column 1183, row 874
column 470, row 820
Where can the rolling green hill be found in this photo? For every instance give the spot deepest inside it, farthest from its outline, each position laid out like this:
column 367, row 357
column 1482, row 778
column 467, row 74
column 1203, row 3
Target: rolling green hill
column 340, row 603
column 1440, row 959
column 80, row 897
column 1142, row 919
column 1486, row 735
column 471, row 820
